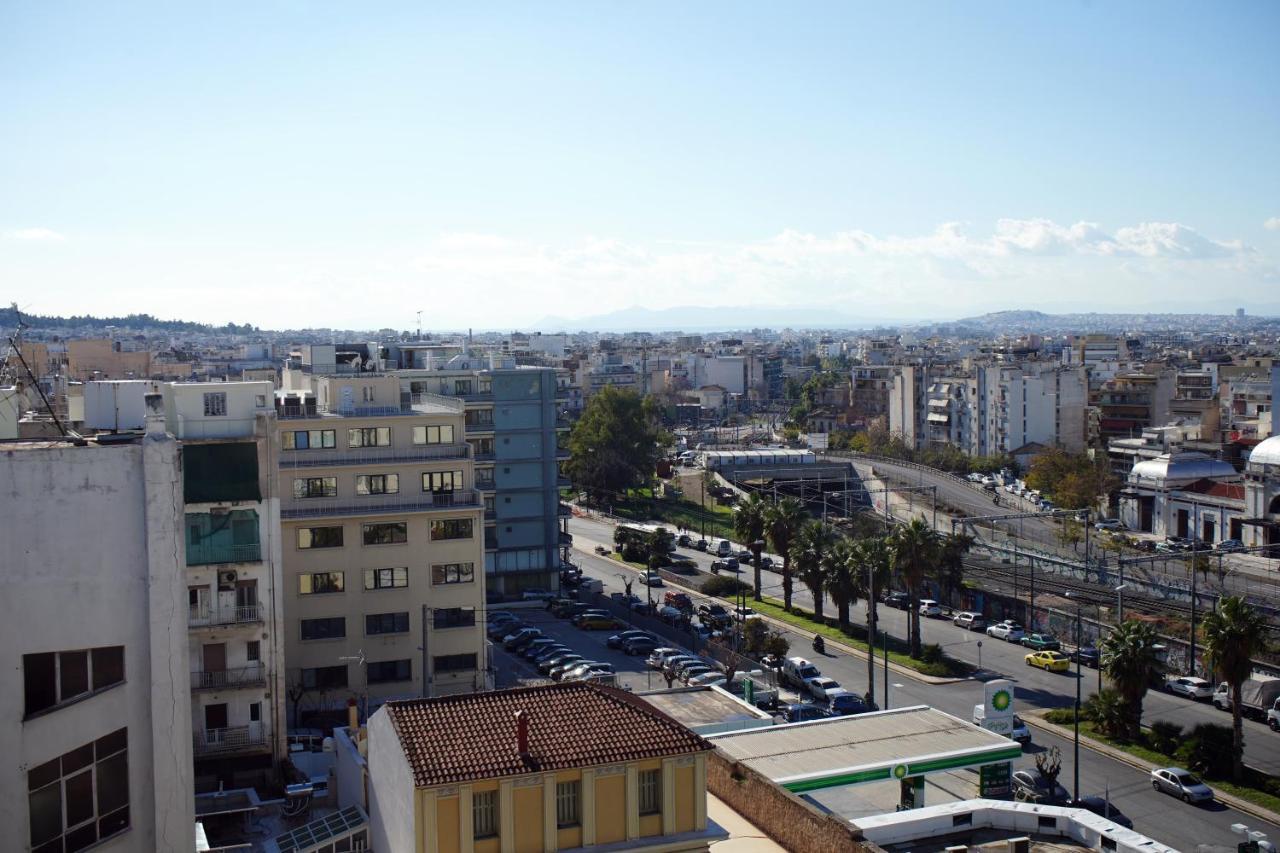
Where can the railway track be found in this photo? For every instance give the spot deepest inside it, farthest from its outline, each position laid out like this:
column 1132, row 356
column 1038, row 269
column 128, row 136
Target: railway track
column 1085, row 592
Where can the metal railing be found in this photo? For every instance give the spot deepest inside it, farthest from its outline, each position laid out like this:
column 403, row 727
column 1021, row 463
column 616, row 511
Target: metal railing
column 373, row 455
column 382, row 504
column 253, row 675
column 204, row 553
column 230, row 739
column 203, row 617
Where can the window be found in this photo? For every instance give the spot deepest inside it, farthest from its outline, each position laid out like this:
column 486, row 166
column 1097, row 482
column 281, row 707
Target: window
column 384, row 671
column 481, row 447
column 479, row 417
column 253, row 651
column 453, row 617
column 451, row 528
column 484, row 478
column 324, row 677
column 317, row 583
column 386, row 623
column 568, row 795
column 315, row 487
column 453, row 573
column 255, row 712
column 308, row 439
column 650, row 791
column 260, row 400
column 215, row 404
column 369, row 437
column 319, row 537
column 331, row 628
column 441, row 481
column 387, row 533
column 55, row 678
column 81, row 797
column 453, row 663
column 484, row 814
column 377, row 484
column 462, row 386
column 442, row 434
column 386, row 578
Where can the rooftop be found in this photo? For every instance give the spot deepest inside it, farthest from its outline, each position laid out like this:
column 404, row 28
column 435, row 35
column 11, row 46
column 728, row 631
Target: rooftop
column 462, row 738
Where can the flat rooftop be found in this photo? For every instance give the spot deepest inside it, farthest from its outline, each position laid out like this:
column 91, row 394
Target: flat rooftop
column 864, row 748
column 700, row 708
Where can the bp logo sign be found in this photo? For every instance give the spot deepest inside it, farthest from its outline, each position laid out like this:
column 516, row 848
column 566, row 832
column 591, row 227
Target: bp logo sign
column 1001, row 700
column 900, row 771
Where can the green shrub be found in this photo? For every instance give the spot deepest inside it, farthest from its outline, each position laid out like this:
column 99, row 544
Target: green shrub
column 1165, row 737
column 1110, row 712
column 723, row 587
column 1064, row 716
column 931, row 653
column 1207, row 749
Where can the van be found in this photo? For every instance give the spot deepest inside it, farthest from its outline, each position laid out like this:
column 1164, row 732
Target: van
column 796, row 670
column 724, row 548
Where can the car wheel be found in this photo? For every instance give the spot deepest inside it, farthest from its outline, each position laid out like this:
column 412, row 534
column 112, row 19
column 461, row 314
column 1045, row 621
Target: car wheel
column 1186, row 798
column 1275, row 726
column 1155, row 786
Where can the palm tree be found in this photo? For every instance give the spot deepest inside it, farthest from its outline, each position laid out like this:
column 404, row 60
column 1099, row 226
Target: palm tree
column 840, row 578
column 874, row 560
column 950, row 570
column 915, row 551
column 748, row 525
column 1233, row 635
column 1129, row 660
column 810, row 555
column 781, row 523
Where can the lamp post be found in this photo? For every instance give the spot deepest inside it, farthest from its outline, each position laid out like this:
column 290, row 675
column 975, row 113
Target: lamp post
column 1120, row 604
column 1076, row 716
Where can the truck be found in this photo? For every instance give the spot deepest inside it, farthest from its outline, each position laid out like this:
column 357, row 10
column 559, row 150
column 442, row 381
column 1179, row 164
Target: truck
column 1258, row 697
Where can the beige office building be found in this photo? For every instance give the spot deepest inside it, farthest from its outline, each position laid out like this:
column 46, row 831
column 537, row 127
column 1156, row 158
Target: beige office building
column 383, row 546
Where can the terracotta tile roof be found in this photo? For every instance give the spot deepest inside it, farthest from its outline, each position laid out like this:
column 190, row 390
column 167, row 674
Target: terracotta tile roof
column 463, row 738
column 1232, row 491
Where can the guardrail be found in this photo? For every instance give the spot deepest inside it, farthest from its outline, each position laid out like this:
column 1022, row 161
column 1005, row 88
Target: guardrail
column 245, row 676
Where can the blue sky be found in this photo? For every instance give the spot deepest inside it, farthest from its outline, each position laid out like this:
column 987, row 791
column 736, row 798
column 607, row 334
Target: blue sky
column 297, row 164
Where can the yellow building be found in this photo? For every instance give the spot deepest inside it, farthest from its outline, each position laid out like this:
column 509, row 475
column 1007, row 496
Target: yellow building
column 534, row 770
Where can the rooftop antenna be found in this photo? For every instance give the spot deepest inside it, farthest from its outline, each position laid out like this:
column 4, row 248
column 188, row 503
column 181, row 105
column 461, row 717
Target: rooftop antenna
column 15, row 341
column 419, row 324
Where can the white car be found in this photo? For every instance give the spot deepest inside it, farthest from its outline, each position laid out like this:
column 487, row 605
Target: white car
column 822, row 687
column 707, row 678
column 1108, row 524
column 1189, row 686
column 1008, row 630
column 931, row 608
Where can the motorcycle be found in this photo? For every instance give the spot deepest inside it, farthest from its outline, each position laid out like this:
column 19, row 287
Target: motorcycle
column 819, row 645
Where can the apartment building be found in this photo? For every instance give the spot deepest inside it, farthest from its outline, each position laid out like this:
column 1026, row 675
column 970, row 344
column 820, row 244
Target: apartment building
column 234, row 577
column 94, row 694
column 1131, row 402
column 383, row 539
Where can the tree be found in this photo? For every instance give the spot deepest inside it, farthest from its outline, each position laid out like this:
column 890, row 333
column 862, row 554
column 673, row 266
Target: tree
column 656, row 543
column 616, row 443
column 782, row 520
column 1049, row 765
column 1108, row 712
column 749, row 519
column 915, row 551
column 1071, row 480
column 813, row 564
column 1234, row 634
column 950, row 569
column 809, row 551
column 1129, row 660
column 840, row 579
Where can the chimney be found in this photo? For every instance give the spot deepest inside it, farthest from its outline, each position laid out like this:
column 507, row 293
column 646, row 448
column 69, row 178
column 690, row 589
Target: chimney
column 353, row 716
column 154, row 414
column 522, row 733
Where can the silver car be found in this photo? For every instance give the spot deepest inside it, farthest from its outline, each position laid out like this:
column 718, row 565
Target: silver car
column 1181, row 784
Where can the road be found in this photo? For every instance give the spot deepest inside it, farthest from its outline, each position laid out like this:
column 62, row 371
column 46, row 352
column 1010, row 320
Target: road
column 1156, row 815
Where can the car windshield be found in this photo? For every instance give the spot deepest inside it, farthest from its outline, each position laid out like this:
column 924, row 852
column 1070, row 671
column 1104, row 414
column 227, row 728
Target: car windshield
column 1187, row 779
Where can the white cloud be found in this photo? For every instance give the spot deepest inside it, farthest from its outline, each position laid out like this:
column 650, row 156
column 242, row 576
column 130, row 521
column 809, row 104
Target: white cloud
column 1272, row 224
column 34, row 235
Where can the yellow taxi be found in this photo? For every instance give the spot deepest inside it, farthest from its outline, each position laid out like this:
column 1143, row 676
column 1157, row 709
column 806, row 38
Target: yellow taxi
column 1049, row 661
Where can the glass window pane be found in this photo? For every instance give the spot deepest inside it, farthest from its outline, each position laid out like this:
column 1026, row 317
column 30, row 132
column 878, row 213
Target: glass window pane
column 74, row 668
column 108, row 666
column 45, row 807
column 113, row 783
column 78, row 791
column 39, row 677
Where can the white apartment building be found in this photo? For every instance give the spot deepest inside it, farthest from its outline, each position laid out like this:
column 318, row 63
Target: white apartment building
column 234, row 577
column 383, row 542
column 94, row 694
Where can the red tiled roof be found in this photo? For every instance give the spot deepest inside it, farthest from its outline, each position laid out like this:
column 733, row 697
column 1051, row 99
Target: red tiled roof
column 463, row 738
column 1232, row 491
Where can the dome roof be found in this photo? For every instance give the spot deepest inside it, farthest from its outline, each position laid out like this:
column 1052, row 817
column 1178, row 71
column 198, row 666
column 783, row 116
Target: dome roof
column 1266, row 453
column 1183, row 467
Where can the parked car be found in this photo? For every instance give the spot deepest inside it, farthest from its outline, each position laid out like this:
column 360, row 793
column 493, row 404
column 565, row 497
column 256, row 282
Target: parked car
column 702, row 544
column 678, row 600
column 726, row 565
column 969, row 620
column 1231, row 545
column 536, row 595
column 617, row 641
column 591, row 611
column 1021, row 733
column 846, row 704
column 1103, row 808
column 741, row 614
column 533, row 649
column 1087, row 655
column 796, row 671
column 900, row 600
column 562, row 659
column 712, row 611
column 1108, row 524
column 1181, row 784
column 1008, row 630
column 1048, row 661
column 801, row 713
column 684, row 540
column 744, row 556
column 640, row 645
column 766, row 562
column 1041, row 642
column 549, row 652
column 495, row 615
column 597, row 622
column 1029, row 786
column 930, row 608
column 658, row 657
column 821, row 687
column 652, row 579
column 1189, row 686
column 707, row 678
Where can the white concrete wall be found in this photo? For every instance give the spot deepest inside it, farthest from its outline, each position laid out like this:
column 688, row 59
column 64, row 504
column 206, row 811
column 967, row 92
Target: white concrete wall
column 184, row 408
column 350, row 769
column 89, row 542
column 391, row 788
column 12, row 405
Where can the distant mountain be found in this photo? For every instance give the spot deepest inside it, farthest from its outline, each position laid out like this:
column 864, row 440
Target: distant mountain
column 9, row 318
column 696, row 318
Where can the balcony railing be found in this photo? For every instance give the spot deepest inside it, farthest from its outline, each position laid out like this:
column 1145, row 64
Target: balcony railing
column 253, row 675
column 230, row 739
column 382, row 504
column 204, row 553
column 373, row 455
column 207, row 617
column 425, row 404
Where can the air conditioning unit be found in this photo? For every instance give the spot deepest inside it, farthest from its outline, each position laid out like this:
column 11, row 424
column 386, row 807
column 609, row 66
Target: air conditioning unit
column 227, row 578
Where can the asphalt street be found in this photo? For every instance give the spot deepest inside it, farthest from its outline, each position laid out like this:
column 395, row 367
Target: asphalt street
column 1169, row 821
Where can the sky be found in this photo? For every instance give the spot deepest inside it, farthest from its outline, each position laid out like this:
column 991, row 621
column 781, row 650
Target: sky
column 297, row 164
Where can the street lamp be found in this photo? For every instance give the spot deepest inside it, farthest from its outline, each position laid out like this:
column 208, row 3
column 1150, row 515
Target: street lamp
column 1076, row 717
column 1120, row 603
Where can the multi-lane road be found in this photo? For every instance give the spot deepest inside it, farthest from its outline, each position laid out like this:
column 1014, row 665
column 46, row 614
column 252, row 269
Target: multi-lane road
column 1156, row 815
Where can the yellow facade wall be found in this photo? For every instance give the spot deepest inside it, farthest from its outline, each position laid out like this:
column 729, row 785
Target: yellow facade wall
column 611, row 809
column 685, row 820
column 528, row 819
column 569, row 838
column 448, row 832
column 650, row 824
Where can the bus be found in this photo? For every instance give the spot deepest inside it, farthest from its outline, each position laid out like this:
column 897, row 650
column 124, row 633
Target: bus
column 645, row 530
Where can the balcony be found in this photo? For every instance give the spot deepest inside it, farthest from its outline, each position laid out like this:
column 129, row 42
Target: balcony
column 207, row 552
column 233, row 739
column 385, row 504
column 253, row 675
column 212, row 616
column 372, row 455
column 417, row 404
